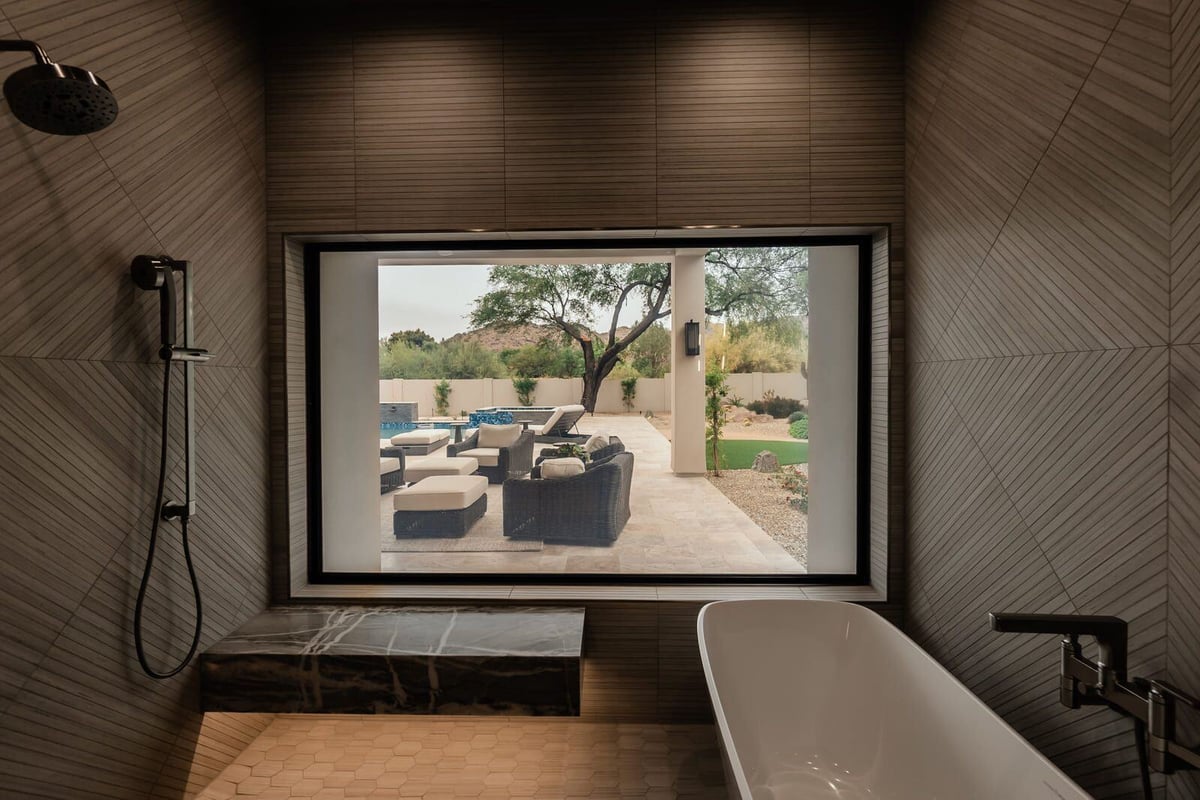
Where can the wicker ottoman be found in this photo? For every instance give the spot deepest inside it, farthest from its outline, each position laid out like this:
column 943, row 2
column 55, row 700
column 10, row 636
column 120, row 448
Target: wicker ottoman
column 441, row 505
column 391, row 475
column 421, row 441
column 418, row 468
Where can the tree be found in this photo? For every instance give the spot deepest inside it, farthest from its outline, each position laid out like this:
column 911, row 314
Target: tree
column 546, row 359
column 715, row 392
column 650, row 355
column 741, row 283
column 413, row 338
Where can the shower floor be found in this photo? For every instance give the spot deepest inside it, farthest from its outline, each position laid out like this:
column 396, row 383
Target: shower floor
column 478, row 757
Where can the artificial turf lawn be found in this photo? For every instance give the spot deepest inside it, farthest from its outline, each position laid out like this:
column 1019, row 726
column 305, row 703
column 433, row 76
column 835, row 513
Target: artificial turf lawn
column 740, row 453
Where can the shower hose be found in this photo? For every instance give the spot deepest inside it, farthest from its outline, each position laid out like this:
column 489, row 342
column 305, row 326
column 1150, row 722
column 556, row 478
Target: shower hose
column 187, row 553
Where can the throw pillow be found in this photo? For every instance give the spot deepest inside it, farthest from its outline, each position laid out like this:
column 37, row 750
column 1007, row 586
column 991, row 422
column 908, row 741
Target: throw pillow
column 499, row 435
column 595, row 442
column 561, row 467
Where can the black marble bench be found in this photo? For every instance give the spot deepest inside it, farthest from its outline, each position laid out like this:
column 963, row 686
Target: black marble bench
column 398, row 660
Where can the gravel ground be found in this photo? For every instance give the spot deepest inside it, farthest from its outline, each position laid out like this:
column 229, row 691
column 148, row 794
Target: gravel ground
column 775, row 430
column 766, row 502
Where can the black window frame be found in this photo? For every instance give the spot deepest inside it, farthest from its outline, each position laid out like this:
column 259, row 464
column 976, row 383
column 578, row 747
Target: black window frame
column 312, row 267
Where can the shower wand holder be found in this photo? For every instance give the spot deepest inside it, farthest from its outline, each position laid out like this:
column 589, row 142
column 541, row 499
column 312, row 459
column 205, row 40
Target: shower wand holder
column 158, row 274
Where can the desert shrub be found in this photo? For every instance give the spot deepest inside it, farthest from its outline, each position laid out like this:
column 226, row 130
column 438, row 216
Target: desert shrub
column 796, row 483
column 525, row 388
column 628, row 391
column 795, row 415
column 778, row 407
column 441, row 397
column 799, row 428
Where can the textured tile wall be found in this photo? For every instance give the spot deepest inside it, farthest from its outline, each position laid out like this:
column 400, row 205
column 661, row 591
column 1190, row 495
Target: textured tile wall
column 1051, row 226
column 182, row 171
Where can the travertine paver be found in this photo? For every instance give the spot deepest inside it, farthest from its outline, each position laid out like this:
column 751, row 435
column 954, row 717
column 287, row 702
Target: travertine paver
column 677, row 526
column 337, row 757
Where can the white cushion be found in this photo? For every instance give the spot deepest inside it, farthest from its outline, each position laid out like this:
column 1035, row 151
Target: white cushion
column 550, row 423
column 499, row 435
column 421, row 436
column 384, row 443
column 441, row 493
column 486, row 456
column 421, row 467
column 595, row 442
column 556, row 416
column 561, row 467
column 387, row 465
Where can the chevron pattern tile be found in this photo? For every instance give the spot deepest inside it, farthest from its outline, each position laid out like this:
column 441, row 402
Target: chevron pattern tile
column 181, row 172
column 1046, row 205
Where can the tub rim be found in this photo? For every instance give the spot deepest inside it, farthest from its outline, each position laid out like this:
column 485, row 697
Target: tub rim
column 854, row 609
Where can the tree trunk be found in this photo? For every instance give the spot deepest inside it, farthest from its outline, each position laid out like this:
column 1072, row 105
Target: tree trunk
column 593, row 375
column 590, row 390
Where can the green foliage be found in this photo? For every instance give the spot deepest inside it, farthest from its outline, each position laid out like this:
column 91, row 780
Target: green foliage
column 413, row 338
column 799, row 428
column 778, row 407
column 546, row 359
column 571, row 450
column 795, row 481
column 650, row 353
column 756, row 283
column 525, row 388
column 465, row 359
column 628, row 391
column 755, row 347
column 741, row 284
column 441, row 397
column 433, row 361
column 795, row 415
column 715, row 391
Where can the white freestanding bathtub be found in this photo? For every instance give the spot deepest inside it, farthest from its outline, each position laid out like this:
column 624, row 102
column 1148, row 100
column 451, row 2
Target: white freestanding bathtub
column 818, row 699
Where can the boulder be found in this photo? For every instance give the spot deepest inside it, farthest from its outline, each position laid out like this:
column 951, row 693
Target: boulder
column 766, row 461
column 739, row 414
column 762, row 418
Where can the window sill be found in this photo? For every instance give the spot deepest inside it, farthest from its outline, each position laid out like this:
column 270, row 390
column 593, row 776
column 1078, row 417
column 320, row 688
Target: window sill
column 689, row 594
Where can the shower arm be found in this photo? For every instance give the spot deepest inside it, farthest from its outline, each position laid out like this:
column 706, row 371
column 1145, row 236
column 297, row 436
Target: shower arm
column 25, row 46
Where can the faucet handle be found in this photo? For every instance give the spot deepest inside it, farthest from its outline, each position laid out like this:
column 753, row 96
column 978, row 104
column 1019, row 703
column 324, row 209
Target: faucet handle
column 1170, row 690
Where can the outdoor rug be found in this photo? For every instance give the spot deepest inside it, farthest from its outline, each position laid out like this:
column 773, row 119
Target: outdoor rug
column 466, row 544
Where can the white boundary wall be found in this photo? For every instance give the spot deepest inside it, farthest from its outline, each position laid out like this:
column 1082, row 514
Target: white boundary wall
column 653, row 394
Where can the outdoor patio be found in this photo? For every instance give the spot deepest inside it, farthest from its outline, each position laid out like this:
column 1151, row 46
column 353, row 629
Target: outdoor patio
column 679, row 525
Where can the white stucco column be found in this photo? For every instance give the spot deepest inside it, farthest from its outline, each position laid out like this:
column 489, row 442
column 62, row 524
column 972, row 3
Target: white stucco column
column 349, row 333
column 687, row 372
column 833, row 408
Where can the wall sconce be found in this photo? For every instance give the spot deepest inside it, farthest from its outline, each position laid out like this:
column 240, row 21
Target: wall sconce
column 691, row 338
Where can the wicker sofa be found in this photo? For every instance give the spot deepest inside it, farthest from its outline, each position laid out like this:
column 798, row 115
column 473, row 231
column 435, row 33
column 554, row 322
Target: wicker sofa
column 510, row 462
column 591, row 508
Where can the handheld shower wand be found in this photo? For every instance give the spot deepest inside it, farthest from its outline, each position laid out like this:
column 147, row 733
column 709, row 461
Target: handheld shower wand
column 157, row 273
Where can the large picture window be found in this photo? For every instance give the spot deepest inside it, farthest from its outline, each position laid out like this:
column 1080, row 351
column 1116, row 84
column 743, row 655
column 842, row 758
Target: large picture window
column 616, row 415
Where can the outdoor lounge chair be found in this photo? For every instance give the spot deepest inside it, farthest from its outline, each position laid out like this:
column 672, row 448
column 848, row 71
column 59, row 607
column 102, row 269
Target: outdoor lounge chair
column 558, row 427
column 503, row 451
column 590, row 508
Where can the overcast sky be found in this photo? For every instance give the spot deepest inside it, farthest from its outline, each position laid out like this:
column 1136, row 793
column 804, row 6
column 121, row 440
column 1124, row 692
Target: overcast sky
column 438, row 299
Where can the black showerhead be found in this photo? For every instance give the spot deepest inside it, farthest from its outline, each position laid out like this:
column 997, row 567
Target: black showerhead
column 57, row 98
